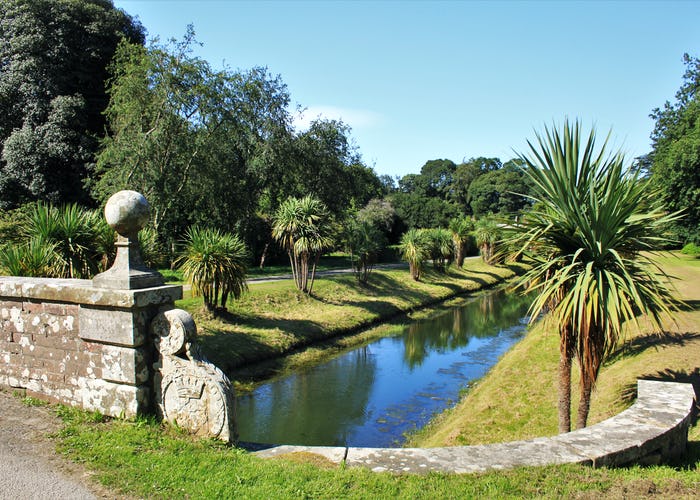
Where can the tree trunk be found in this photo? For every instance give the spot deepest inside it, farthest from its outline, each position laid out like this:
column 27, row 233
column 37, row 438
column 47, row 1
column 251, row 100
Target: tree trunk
column 584, row 403
column 564, row 404
column 264, row 254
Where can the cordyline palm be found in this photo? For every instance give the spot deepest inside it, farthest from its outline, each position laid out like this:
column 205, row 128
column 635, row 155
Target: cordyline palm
column 461, row 229
column 592, row 219
column 214, row 263
column 414, row 250
column 487, row 234
column 302, row 227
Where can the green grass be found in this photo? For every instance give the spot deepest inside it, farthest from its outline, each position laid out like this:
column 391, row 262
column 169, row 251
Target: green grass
column 274, row 319
column 142, row 458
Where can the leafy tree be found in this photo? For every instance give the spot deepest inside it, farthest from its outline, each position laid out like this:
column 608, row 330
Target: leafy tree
column 499, row 191
column 379, row 213
column 53, row 60
column 418, row 211
column 414, row 250
column 466, row 173
column 586, row 235
column 302, row 227
column 214, row 263
column 676, row 152
column 437, row 177
column 201, row 145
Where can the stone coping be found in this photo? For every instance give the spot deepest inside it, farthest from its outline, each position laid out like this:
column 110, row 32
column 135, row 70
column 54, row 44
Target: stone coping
column 653, row 429
column 75, row 291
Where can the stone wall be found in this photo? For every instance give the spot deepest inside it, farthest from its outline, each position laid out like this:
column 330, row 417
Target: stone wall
column 68, row 341
column 653, row 430
column 114, row 344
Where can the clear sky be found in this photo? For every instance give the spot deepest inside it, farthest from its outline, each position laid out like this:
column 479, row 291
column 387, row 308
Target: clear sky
column 419, row 80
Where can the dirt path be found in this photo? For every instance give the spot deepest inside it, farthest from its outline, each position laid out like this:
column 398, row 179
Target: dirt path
column 30, row 468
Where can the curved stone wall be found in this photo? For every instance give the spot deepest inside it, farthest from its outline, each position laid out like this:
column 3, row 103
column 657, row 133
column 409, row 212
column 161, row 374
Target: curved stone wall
column 653, row 429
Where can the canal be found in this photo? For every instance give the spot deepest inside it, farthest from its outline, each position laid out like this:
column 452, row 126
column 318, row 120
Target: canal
column 373, row 395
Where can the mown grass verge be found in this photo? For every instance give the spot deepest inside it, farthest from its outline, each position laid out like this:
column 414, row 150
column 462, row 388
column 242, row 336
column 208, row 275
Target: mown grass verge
column 274, row 319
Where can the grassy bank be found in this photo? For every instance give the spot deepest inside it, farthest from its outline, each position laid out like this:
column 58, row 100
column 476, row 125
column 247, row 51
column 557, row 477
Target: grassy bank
column 274, row 319
column 518, row 397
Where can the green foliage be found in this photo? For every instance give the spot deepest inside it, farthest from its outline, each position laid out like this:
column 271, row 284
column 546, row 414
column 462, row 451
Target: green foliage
column 54, row 56
column 214, row 263
column 200, row 144
column 415, row 249
column 440, row 247
column 80, row 238
column 364, row 242
column 488, row 234
column 691, row 249
column 418, row 211
column 675, row 157
column 499, row 191
column 585, row 235
column 34, row 258
column 461, row 230
column 302, row 227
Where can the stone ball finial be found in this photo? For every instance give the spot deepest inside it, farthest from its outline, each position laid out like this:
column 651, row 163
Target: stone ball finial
column 127, row 212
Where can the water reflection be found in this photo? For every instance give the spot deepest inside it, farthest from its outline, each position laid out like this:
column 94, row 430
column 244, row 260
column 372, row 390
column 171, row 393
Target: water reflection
column 372, row 395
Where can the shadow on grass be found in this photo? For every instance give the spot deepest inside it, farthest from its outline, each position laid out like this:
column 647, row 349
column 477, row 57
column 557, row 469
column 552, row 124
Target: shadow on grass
column 640, row 344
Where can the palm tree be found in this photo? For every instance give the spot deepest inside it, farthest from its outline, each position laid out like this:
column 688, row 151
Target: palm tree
column 487, row 234
column 414, row 250
column 75, row 232
column 35, row 258
column 214, row 263
column 585, row 235
column 440, row 247
column 364, row 241
column 461, row 229
column 302, row 227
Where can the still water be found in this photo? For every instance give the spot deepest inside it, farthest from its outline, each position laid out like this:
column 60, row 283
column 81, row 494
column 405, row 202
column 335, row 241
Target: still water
column 372, row 395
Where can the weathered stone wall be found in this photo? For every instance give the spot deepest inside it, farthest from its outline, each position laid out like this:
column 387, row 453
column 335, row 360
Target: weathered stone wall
column 68, row 341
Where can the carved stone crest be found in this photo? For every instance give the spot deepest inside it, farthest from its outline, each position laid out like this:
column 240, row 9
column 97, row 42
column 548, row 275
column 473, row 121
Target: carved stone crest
column 190, row 391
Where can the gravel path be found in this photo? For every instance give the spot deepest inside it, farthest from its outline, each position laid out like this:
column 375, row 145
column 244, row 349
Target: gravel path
column 30, row 468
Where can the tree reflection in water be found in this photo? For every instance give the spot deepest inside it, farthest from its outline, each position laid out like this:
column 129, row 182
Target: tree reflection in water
column 483, row 317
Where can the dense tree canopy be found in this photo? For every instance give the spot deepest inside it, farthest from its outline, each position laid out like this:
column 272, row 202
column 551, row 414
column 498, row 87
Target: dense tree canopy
column 676, row 152
column 53, row 60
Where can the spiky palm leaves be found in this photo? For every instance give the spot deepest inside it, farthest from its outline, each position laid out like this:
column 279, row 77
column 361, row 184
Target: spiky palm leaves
column 461, row 229
column 415, row 251
column 364, row 241
column 592, row 219
column 440, row 247
column 68, row 241
column 302, row 227
column 487, row 234
column 214, row 263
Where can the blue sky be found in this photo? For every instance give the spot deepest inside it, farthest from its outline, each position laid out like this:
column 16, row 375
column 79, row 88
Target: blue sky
column 451, row 79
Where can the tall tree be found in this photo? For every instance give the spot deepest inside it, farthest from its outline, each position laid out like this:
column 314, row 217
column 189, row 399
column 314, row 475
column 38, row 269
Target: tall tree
column 53, row 60
column 201, row 145
column 586, row 234
column 676, row 152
